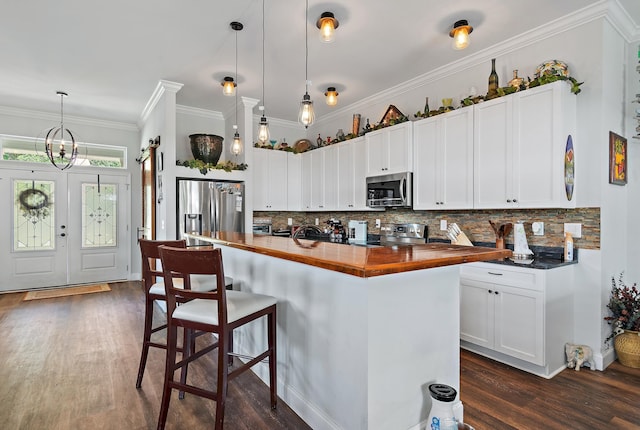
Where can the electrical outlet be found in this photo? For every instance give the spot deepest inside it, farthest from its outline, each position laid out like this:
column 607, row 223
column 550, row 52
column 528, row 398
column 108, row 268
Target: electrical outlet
column 537, row 228
column 574, row 228
column 289, row 221
column 377, row 223
column 443, row 224
column 317, row 221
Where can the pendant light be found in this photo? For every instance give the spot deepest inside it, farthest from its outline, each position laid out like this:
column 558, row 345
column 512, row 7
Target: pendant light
column 460, row 33
column 56, row 137
column 263, row 128
column 306, row 115
column 236, row 146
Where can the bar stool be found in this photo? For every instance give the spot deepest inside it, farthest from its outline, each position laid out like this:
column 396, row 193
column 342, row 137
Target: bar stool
column 218, row 312
column 154, row 290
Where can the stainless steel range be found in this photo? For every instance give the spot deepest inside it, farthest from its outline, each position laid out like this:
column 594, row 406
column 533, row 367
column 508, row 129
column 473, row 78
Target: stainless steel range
column 403, row 234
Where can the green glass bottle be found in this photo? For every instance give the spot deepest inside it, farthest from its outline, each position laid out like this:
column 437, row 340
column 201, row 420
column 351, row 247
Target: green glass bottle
column 493, row 81
column 426, row 107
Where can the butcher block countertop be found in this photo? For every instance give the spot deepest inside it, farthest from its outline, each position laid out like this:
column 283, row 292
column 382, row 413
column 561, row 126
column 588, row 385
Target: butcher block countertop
column 356, row 260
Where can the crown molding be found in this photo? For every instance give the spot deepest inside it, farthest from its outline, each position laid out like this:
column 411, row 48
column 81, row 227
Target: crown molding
column 162, row 87
column 277, row 121
column 611, row 10
column 203, row 113
column 623, row 22
column 55, row 118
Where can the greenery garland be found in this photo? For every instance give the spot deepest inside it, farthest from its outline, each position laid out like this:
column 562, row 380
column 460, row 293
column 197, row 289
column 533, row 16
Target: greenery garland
column 204, row 168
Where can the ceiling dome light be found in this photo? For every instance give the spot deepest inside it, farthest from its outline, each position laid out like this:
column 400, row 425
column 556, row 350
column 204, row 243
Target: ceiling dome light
column 460, row 33
column 331, row 96
column 228, row 86
column 327, row 24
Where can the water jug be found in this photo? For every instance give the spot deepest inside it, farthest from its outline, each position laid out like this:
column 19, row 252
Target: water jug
column 441, row 415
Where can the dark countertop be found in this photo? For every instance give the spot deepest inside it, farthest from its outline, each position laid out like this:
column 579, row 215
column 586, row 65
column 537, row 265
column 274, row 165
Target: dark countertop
column 544, row 257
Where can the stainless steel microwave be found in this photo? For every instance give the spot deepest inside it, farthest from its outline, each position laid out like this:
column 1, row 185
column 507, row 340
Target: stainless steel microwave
column 389, row 190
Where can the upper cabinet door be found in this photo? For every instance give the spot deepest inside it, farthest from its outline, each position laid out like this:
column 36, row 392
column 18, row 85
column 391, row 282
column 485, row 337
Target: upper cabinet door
column 493, row 155
column 544, row 117
column 400, row 153
column 377, row 152
column 443, row 154
column 456, row 155
column 389, row 150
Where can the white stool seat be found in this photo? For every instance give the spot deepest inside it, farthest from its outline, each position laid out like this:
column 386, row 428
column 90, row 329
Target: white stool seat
column 239, row 305
column 198, row 283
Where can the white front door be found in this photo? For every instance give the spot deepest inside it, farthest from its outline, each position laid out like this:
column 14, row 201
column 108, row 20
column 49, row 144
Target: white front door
column 59, row 229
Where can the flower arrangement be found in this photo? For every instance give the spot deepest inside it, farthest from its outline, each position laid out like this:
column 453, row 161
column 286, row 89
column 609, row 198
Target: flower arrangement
column 624, row 305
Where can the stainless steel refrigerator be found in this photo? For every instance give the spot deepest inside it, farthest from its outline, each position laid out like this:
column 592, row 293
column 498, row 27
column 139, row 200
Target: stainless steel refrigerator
column 206, row 207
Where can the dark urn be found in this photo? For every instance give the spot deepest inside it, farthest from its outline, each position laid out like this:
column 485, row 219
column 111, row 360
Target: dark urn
column 206, row 147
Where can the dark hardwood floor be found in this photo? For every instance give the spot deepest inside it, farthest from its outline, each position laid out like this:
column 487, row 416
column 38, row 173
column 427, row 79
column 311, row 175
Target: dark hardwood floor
column 71, row 363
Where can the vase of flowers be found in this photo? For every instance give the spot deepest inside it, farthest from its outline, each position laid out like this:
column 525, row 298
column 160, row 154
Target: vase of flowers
column 624, row 307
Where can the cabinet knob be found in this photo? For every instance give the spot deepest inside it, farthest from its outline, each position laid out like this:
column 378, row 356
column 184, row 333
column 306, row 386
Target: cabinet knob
column 508, row 200
column 490, row 291
column 515, row 201
column 495, row 292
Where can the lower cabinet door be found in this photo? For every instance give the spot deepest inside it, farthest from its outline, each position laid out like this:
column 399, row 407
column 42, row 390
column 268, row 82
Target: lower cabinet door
column 476, row 313
column 519, row 323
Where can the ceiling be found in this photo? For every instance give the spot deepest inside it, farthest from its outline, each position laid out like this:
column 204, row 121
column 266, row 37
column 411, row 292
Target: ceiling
column 109, row 56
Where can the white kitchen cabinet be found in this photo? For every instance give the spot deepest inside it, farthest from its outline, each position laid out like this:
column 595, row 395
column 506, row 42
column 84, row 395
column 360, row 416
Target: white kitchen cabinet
column 389, row 150
column 519, row 316
column 352, row 187
column 269, row 180
column 294, row 182
column 443, row 161
column 319, row 184
column 519, row 148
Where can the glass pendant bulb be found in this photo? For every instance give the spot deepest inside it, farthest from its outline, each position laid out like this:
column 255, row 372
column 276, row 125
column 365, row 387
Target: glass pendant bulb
column 236, row 146
column 306, row 115
column 263, row 128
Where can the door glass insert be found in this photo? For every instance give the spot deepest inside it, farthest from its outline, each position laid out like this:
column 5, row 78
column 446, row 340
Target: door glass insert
column 33, row 215
column 99, row 215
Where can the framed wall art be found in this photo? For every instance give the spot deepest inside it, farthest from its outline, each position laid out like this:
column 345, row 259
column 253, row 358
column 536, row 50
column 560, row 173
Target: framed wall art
column 617, row 159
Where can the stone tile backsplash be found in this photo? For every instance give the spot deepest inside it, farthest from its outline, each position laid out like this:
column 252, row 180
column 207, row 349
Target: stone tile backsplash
column 475, row 223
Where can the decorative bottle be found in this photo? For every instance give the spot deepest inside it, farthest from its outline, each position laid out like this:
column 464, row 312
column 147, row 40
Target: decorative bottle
column 493, row 81
column 426, row 107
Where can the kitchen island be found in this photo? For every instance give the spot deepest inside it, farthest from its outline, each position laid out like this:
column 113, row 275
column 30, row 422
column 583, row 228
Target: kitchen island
column 362, row 332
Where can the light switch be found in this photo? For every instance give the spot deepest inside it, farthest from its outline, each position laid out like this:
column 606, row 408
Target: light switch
column 443, row 224
column 377, row 223
column 574, row 228
column 289, row 221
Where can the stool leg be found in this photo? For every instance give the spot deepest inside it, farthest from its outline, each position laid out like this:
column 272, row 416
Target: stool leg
column 223, row 371
column 148, row 322
column 273, row 364
column 172, row 340
column 188, row 348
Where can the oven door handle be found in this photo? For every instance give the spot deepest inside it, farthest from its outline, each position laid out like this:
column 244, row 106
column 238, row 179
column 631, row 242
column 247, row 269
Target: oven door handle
column 403, row 186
